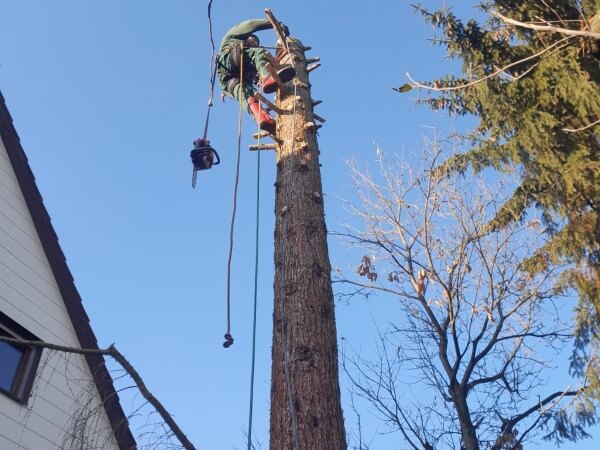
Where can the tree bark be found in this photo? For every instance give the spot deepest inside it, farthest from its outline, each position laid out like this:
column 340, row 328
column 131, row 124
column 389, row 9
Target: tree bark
column 467, row 429
column 306, row 408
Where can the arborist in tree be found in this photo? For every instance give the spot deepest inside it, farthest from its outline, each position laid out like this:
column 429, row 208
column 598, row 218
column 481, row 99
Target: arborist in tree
column 240, row 49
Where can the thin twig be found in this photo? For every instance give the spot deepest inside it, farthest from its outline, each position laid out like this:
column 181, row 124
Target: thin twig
column 571, row 130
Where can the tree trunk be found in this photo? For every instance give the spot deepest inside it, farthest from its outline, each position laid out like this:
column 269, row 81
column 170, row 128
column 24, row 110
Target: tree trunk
column 306, row 409
column 467, row 429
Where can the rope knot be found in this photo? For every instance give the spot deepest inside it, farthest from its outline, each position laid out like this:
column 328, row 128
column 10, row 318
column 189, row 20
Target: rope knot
column 228, row 340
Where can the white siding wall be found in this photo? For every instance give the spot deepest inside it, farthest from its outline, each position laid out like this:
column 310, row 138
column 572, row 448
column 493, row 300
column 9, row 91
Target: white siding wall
column 29, row 295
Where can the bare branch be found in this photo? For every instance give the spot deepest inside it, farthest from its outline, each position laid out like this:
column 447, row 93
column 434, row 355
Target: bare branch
column 126, row 365
column 555, row 46
column 551, row 28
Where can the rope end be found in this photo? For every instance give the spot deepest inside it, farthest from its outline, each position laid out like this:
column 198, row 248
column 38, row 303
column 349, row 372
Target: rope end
column 228, row 340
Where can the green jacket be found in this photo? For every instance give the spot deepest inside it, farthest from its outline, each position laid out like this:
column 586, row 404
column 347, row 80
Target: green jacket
column 241, row 31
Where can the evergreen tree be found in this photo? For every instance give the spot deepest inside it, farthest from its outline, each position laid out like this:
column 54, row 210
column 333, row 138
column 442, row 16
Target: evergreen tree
column 531, row 77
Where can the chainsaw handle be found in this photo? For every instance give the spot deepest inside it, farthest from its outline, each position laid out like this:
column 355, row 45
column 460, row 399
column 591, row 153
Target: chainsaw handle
column 218, row 161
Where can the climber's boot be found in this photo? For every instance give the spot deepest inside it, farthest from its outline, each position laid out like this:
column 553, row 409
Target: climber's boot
column 285, row 74
column 262, row 118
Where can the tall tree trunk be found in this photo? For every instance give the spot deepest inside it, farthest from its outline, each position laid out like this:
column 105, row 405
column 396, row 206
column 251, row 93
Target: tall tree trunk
column 306, row 409
column 467, row 429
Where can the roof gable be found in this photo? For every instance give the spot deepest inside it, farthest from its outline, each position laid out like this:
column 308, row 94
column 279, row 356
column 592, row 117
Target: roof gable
column 63, row 277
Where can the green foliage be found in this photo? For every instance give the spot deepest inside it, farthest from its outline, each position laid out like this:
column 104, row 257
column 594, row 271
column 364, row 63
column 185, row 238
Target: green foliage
column 536, row 96
column 561, row 426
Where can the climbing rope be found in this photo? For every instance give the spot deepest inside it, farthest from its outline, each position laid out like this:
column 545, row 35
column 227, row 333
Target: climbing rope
column 253, row 359
column 288, row 379
column 210, row 33
column 228, row 338
column 213, row 71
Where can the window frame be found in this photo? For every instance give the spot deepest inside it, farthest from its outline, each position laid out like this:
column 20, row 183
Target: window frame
column 28, row 365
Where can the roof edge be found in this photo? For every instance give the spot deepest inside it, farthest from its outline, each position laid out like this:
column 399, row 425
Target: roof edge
column 64, row 279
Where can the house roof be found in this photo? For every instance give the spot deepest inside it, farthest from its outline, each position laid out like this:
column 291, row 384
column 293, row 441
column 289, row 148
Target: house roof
column 64, row 279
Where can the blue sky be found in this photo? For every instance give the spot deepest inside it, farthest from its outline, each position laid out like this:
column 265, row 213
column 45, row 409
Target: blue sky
column 107, row 97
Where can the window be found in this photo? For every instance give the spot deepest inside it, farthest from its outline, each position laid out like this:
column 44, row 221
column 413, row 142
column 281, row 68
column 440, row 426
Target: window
column 18, row 363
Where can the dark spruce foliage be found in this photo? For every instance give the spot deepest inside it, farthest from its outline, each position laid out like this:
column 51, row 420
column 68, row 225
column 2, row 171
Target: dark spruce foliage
column 536, row 96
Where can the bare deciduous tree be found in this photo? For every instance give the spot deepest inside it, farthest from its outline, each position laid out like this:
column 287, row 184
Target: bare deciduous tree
column 468, row 363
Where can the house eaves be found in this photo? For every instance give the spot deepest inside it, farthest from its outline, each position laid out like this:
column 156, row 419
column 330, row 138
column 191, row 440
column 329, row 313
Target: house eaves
column 64, row 279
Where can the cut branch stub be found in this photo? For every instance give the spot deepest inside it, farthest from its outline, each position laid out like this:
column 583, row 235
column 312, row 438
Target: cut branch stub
column 255, row 147
column 265, row 134
column 313, row 67
column 319, row 118
column 270, row 104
